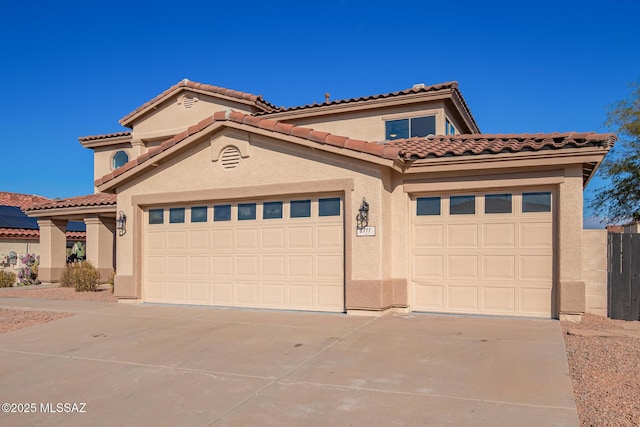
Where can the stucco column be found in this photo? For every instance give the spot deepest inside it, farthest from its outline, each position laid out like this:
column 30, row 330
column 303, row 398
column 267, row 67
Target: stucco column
column 53, row 249
column 99, row 246
column 571, row 288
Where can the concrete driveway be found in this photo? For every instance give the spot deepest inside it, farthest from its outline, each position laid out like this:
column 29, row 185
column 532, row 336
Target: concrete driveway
column 194, row 366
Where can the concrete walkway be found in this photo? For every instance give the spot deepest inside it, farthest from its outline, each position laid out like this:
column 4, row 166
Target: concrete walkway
column 194, row 366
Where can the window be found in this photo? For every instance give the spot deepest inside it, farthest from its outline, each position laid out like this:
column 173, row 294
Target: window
column 497, row 203
column 271, row 210
column 462, row 205
column 119, row 159
column 449, row 129
column 329, row 207
column 246, row 211
column 176, row 215
column 222, row 213
column 300, row 208
column 405, row 128
column 199, row 214
column 536, row 202
column 428, row 206
column 156, row 216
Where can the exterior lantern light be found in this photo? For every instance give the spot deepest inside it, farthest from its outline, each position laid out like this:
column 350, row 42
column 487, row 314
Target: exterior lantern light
column 121, row 224
column 363, row 214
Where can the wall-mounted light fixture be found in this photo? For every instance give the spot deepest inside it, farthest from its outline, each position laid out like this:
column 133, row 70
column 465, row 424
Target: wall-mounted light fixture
column 363, row 214
column 121, row 224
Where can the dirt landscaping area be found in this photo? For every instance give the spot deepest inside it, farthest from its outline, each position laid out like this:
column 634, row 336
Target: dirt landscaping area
column 603, row 355
column 604, row 362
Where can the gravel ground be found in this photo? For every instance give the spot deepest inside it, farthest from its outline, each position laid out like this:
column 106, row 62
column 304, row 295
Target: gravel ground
column 101, row 295
column 11, row 320
column 604, row 362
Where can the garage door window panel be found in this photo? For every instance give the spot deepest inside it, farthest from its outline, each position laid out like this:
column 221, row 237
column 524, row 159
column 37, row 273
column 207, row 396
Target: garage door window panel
column 176, row 215
column 329, row 207
column 156, row 216
column 246, row 211
column 300, row 208
column 199, row 214
column 536, row 202
column 462, row 205
column 428, row 206
column 272, row 210
column 222, row 213
column 497, row 203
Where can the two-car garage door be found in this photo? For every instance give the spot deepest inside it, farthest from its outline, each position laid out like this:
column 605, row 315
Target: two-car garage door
column 483, row 253
column 278, row 253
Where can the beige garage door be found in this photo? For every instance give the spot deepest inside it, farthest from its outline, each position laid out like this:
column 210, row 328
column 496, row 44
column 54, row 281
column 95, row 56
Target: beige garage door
column 285, row 254
column 483, row 253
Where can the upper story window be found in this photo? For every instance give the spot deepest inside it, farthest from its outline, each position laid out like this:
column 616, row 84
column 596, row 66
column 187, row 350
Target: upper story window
column 119, row 159
column 449, row 128
column 406, row 128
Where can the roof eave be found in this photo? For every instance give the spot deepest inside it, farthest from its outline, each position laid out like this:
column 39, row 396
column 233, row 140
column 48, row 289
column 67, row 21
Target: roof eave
column 74, row 211
column 105, row 142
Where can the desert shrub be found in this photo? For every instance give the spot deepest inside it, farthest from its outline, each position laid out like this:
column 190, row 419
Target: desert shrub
column 112, row 281
column 83, row 276
column 7, row 279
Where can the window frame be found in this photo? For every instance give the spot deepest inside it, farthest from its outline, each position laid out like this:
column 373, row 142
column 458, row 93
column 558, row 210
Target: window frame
column 113, row 159
column 409, row 132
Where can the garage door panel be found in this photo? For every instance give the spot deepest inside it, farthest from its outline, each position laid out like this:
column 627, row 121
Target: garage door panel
column 498, row 236
column 462, row 266
column 496, row 259
column 535, row 235
column 247, row 238
column 501, row 267
column 274, row 262
column 429, row 236
column 462, row 236
column 463, row 297
column 222, row 239
column 501, row 299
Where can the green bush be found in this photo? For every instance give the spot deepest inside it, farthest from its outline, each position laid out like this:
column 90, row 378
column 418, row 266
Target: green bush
column 7, row 279
column 83, row 276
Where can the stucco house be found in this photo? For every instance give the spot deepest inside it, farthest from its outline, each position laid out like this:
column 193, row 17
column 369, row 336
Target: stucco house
column 225, row 199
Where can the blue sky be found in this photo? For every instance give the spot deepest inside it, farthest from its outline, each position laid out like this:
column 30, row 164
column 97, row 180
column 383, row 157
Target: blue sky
column 74, row 68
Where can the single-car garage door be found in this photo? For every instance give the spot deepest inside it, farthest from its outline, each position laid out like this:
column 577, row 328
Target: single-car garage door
column 277, row 253
column 483, row 253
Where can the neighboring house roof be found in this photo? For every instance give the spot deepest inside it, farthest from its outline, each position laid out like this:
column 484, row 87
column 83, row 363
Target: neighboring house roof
column 22, row 201
column 15, row 224
column 415, row 89
column 104, row 136
column 256, row 100
column 464, row 145
column 98, row 199
column 405, row 149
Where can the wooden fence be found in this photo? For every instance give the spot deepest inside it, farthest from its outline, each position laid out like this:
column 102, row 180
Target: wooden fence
column 623, row 276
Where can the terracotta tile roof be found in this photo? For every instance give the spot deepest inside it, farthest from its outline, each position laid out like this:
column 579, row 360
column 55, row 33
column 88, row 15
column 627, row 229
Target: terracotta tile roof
column 377, row 149
column 257, row 100
column 23, row 201
column 99, row 199
column 24, row 234
column 416, row 89
column 462, row 145
column 104, row 136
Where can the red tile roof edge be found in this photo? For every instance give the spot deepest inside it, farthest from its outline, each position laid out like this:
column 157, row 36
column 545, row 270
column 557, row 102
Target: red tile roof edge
column 476, row 144
column 407, row 149
column 22, row 201
column 257, row 100
column 99, row 199
column 20, row 233
column 412, row 90
column 103, row 136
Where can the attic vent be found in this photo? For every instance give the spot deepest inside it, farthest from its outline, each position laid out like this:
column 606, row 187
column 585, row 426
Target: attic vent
column 230, row 157
column 187, row 100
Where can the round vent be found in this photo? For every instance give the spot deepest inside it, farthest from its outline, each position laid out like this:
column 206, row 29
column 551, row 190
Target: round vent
column 230, row 157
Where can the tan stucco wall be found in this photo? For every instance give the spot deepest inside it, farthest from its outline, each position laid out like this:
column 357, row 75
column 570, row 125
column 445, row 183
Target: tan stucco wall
column 370, row 125
column 103, row 158
column 270, row 162
column 594, row 273
column 20, row 247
